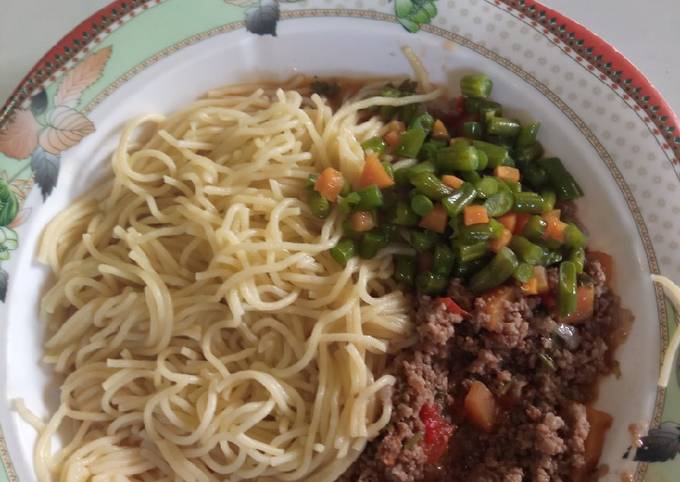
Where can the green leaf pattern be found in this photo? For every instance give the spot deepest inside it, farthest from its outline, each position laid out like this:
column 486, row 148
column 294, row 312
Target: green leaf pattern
column 412, row 14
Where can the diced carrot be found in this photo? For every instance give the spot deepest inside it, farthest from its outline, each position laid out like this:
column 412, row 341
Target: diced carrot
column 495, row 306
column 521, row 220
column 435, row 220
column 605, row 261
column 452, row 181
column 530, row 287
column 475, row 214
column 507, row 173
column 374, row 173
column 391, row 139
column 396, row 126
column 439, row 130
column 509, row 220
column 541, row 276
column 555, row 228
column 480, row 406
column 599, row 422
column 495, row 245
column 362, row 221
column 329, row 184
column 451, row 306
column 585, row 302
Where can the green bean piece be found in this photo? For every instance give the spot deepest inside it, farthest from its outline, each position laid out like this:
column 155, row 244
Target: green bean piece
column 443, row 260
column 370, row 197
column 431, row 283
column 403, row 215
column 319, row 205
column 423, row 240
column 528, row 153
column 455, row 223
column 483, row 160
column 409, row 112
column 421, row 204
column 405, row 269
column 457, row 158
column 499, row 269
column 502, row 126
column 527, row 134
column 423, row 121
column 529, row 252
column 474, row 105
column 566, row 297
column 375, row 144
column 496, row 155
column 496, row 228
column 486, row 187
column 523, row 272
column 476, row 85
column 551, row 257
column 429, row 150
column 401, row 176
column 514, row 186
column 343, row 251
column 458, row 142
column 473, row 177
column 534, row 175
column 534, row 228
column 388, row 111
column 474, row 233
column 371, row 243
column 455, row 203
column 410, row 142
column 560, row 179
column 311, row 181
column 420, row 168
column 390, row 231
column 547, row 361
column 528, row 202
column 578, row 257
column 574, row 237
column 509, row 162
column 549, row 200
column 500, row 203
column 428, row 184
column 465, row 270
column 472, row 129
column 469, row 252
column 346, row 203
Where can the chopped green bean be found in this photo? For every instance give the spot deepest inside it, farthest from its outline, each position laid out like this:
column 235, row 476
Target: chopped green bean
column 535, row 227
column 428, row 184
column 475, row 232
column 574, row 237
column 423, row 121
column 528, row 202
column 311, row 181
column 375, row 144
column 476, row 85
column 496, row 155
column 483, row 160
column 500, row 203
column 560, row 179
column 566, row 299
column 457, row 158
column 346, row 204
column 472, row 129
column 465, row 270
column 578, row 257
column 420, row 168
column 372, row 242
column 403, row 215
column 534, row 175
column 455, row 203
column 405, row 269
column 429, row 150
column 474, row 105
column 473, row 177
column 423, row 240
column 529, row 252
column 443, row 260
column 514, row 186
column 523, row 272
column 469, row 252
column 501, row 126
column 410, row 142
column 319, row 205
column 499, row 269
column 370, row 197
column 496, row 228
column 431, row 283
column 528, row 153
column 527, row 134
column 549, row 200
column 551, row 257
column 486, row 187
column 343, row 251
column 421, row 204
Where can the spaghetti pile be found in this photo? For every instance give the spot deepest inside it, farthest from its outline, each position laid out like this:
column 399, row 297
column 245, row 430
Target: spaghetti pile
column 202, row 328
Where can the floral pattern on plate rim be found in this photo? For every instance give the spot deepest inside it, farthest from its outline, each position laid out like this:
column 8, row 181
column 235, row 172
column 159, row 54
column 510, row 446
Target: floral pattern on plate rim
column 40, row 127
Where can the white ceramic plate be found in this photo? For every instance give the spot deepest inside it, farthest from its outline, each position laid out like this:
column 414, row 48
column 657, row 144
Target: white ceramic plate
column 598, row 113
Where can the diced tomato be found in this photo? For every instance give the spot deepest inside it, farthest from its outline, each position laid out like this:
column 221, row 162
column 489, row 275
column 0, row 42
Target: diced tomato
column 452, row 306
column 521, row 220
column 509, row 220
column 437, row 432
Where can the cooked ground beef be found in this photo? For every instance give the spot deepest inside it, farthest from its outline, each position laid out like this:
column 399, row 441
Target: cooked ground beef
column 542, row 378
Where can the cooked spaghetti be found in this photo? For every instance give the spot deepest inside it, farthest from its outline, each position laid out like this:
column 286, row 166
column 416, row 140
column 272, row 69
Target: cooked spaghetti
column 203, row 330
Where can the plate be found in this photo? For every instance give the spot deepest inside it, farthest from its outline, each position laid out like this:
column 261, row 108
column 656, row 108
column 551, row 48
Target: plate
column 599, row 114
